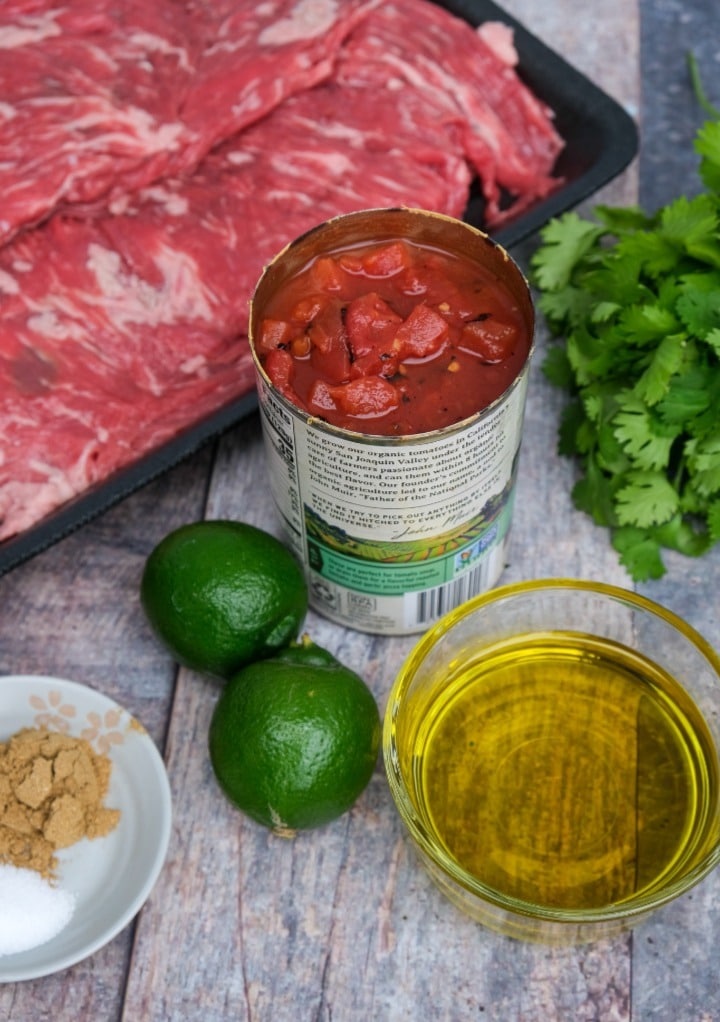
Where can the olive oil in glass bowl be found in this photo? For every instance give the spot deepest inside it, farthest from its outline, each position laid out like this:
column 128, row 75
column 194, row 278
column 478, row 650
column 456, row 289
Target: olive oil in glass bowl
column 552, row 748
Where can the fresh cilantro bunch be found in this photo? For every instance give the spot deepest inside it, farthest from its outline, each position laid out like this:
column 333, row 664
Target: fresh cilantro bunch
column 636, row 300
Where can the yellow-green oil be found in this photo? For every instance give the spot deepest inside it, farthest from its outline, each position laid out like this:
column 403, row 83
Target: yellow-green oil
column 565, row 771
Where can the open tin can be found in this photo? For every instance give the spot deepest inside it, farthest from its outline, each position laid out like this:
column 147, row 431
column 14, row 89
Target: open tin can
column 394, row 530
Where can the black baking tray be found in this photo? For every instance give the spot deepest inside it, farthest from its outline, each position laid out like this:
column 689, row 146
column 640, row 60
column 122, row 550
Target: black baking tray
column 600, row 141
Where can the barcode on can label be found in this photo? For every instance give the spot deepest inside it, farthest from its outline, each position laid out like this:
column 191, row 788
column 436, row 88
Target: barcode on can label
column 427, row 606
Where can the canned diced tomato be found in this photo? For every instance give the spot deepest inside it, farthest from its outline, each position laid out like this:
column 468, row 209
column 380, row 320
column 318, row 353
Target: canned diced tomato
column 387, row 260
column 423, row 333
column 366, row 397
column 280, row 367
column 393, row 338
column 326, row 275
column 273, row 334
column 319, row 400
column 371, row 325
column 308, row 307
column 489, row 338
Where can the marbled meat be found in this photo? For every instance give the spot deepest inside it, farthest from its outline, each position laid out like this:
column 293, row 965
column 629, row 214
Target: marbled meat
column 124, row 312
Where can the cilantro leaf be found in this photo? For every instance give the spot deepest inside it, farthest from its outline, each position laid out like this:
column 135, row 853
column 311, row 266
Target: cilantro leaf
column 618, row 277
column 596, row 353
column 679, row 534
column 666, row 361
column 557, row 368
column 651, row 252
column 639, row 553
column 703, row 459
column 645, row 498
column 610, row 455
column 634, row 301
column 648, row 323
column 601, row 312
column 634, row 427
column 566, row 307
column 571, row 421
column 567, row 239
column 699, row 303
column 687, row 396
column 593, row 494
column 619, row 220
column 690, row 224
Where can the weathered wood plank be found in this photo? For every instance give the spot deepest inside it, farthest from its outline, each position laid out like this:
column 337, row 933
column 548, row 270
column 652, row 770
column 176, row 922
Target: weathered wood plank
column 73, row 612
column 674, row 954
column 342, row 923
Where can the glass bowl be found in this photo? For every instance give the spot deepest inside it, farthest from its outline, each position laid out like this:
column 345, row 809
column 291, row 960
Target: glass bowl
column 552, row 748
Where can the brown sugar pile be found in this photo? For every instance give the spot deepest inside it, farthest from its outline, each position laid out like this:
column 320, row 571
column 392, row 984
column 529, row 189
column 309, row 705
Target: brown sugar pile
column 52, row 787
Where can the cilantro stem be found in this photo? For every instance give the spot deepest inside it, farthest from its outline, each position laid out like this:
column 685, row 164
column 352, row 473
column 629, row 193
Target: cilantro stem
column 698, row 89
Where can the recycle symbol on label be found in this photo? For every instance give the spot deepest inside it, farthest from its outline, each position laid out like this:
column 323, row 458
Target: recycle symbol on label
column 324, row 593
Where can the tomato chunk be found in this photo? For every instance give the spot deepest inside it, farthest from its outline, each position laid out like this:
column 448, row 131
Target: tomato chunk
column 320, row 400
column 490, row 339
column 280, row 367
column 326, row 330
column 326, row 275
column 308, row 307
column 374, row 364
column 273, row 334
column 330, row 353
column 387, row 260
column 367, row 397
column 371, row 324
column 423, row 333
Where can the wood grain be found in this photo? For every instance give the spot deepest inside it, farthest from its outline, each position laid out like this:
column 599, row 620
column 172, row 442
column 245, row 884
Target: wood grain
column 73, row 612
column 340, row 924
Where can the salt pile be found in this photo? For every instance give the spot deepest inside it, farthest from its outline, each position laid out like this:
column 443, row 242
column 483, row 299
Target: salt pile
column 31, row 910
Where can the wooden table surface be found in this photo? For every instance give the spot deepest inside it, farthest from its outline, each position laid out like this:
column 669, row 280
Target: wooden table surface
column 342, row 924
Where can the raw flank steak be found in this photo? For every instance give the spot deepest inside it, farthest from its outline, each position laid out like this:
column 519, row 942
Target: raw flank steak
column 99, row 97
column 123, row 315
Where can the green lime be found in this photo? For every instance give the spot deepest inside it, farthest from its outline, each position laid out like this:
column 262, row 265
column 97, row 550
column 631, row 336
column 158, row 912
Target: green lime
column 221, row 594
column 294, row 739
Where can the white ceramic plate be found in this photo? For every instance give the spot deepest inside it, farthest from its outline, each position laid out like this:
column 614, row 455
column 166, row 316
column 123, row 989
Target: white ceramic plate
column 110, row 877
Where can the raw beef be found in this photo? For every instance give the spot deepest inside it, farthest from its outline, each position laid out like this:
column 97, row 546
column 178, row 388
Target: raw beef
column 120, row 330
column 99, row 365
column 99, row 98
column 467, row 79
column 126, row 325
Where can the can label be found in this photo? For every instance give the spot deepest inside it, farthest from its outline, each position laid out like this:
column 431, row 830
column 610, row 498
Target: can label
column 394, row 533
